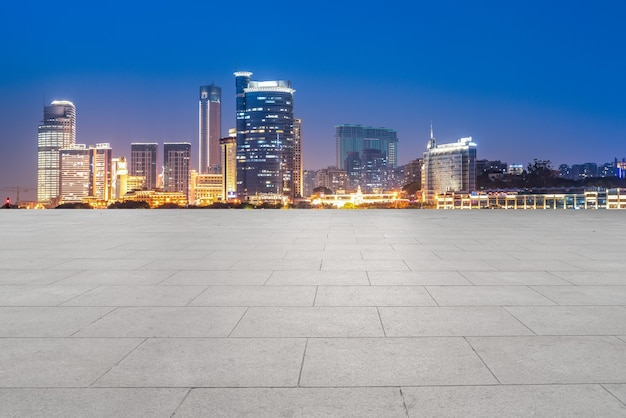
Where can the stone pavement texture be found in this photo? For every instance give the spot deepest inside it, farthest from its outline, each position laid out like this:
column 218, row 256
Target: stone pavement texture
column 303, row 313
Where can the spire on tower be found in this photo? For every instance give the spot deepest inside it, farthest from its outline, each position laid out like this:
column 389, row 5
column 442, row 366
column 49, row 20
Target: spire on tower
column 431, row 141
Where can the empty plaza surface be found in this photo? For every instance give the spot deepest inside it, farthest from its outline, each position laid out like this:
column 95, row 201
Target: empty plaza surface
column 306, row 313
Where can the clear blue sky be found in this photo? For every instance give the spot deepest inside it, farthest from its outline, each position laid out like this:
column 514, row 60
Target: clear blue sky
column 527, row 79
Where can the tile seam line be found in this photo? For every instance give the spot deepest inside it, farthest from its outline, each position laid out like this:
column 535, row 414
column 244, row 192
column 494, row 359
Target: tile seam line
column 482, row 360
column 118, row 362
column 306, row 344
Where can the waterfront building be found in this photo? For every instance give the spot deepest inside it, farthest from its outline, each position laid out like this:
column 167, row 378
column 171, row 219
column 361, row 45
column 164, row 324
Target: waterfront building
column 265, row 139
column 309, row 177
column 57, row 131
column 413, row 171
column 229, row 166
column 143, row 162
column 101, row 160
column 75, row 173
column 298, row 184
column 352, row 139
column 176, row 163
column 448, row 168
column 205, row 189
column 209, row 129
column 332, row 178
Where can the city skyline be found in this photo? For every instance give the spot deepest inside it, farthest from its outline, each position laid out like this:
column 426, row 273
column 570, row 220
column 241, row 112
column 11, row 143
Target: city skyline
column 531, row 81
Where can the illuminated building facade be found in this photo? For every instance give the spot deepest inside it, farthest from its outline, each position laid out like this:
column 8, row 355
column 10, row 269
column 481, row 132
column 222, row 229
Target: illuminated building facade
column 332, row 178
column 352, row 139
column 210, row 129
column 143, row 162
column 176, row 163
column 265, row 139
column 298, row 183
column 75, row 177
column 102, row 177
column 205, row 189
column 229, row 167
column 449, row 168
column 57, row 131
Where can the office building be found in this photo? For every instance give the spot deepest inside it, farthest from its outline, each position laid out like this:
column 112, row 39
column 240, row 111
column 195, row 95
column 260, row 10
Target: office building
column 332, row 178
column 75, row 173
column 352, row 139
column 102, row 165
column 448, row 168
column 265, row 139
column 205, row 189
column 56, row 131
column 210, row 129
column 176, row 163
column 298, row 184
column 143, row 162
column 229, row 165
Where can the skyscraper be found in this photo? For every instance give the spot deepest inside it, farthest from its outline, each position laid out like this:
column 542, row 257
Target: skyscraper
column 265, row 139
column 143, row 162
column 75, row 173
column 176, row 162
column 229, row 165
column 102, row 163
column 210, row 128
column 448, row 168
column 57, row 130
column 357, row 138
column 298, row 183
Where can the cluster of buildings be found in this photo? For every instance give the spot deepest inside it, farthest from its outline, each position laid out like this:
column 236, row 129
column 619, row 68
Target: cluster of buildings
column 260, row 161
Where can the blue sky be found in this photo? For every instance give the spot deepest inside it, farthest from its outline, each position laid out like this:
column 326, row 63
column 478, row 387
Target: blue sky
column 527, row 79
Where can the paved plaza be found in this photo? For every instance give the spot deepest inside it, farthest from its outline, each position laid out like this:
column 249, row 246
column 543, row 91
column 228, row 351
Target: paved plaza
column 311, row 313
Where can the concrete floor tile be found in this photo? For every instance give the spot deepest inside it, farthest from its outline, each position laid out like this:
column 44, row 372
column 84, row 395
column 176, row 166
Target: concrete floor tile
column 59, row 362
column 513, row 278
column 209, row 278
column 486, row 296
column 33, row 277
column 392, row 362
column 323, row 255
column 364, row 265
column 584, row 295
column 176, row 265
column 100, row 264
column 450, row 322
column 277, row 264
column 39, row 295
column 209, row 362
column 256, row 296
column 293, row 402
column 619, row 391
column 449, row 265
column 165, row 322
column 309, row 322
column 318, row 278
column 116, row 277
column 8, row 264
column 416, row 278
column 592, row 278
column 547, row 360
column 373, row 296
column 572, row 320
column 512, row 401
column 137, row 296
column 533, row 265
column 47, row 321
column 91, row 402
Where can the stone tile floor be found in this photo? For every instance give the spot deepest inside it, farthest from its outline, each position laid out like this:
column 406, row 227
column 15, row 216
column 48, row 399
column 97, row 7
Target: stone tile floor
column 299, row 313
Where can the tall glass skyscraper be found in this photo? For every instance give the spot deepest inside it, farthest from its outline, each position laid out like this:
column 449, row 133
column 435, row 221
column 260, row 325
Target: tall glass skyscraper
column 57, row 131
column 356, row 138
column 265, row 139
column 210, row 129
column 143, row 162
column 177, row 159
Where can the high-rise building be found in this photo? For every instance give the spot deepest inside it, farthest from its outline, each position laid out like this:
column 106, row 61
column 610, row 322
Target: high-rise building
column 298, row 183
column 210, row 129
column 176, row 163
column 229, row 165
column 448, row 168
column 102, row 178
column 75, row 173
column 143, row 162
column 265, row 139
column 356, row 139
column 57, row 131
